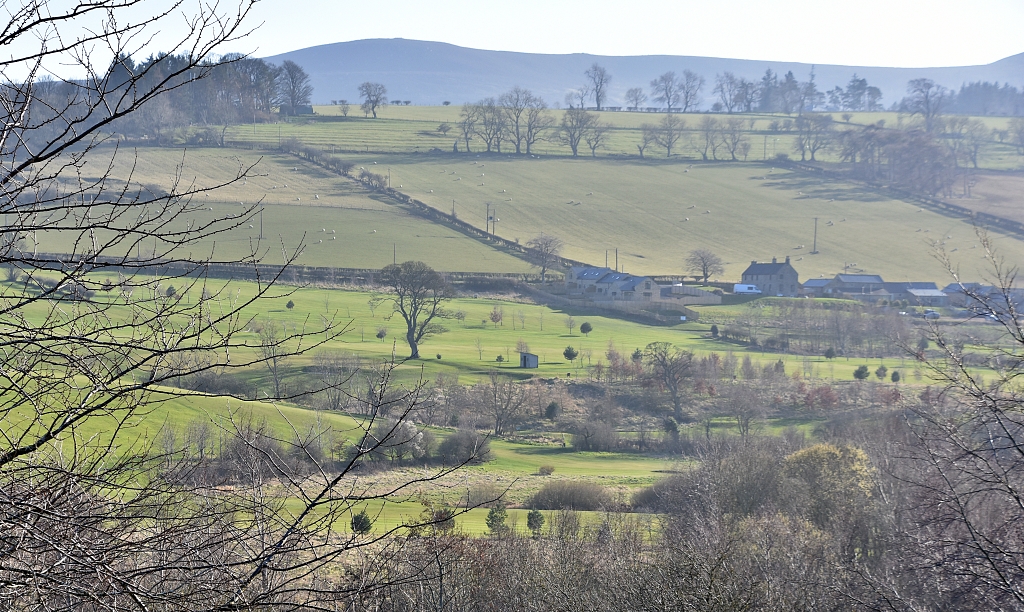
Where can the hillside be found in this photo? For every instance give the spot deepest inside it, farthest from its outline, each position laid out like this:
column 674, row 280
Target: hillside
column 432, row 72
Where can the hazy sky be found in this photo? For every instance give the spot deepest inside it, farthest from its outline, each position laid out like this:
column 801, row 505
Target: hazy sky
column 911, row 33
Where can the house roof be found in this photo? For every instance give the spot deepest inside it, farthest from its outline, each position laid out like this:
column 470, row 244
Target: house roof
column 816, row 283
column 907, row 286
column 590, row 273
column 758, row 269
column 873, row 279
column 614, row 277
column 926, row 293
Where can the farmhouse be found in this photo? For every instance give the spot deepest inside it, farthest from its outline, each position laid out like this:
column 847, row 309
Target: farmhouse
column 607, row 284
column 773, row 278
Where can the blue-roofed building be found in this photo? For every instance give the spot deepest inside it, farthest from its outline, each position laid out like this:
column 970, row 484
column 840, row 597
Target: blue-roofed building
column 608, row 284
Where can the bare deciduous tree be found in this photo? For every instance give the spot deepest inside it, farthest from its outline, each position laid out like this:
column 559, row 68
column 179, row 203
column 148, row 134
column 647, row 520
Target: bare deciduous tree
column 545, row 251
column 666, row 90
column 576, row 123
column 669, row 367
column 599, row 78
column 635, row 98
column 668, row 133
column 374, row 95
column 704, row 263
column 689, row 90
column 295, row 85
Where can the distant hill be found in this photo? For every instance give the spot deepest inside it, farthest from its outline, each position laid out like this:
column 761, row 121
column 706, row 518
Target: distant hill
column 432, row 72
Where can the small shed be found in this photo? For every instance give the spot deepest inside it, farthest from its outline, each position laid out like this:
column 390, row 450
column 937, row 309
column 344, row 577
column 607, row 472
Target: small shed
column 528, row 360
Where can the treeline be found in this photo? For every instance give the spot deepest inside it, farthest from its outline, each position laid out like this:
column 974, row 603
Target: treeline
column 210, row 94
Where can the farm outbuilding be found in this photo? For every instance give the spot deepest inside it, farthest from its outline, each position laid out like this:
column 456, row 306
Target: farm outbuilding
column 528, row 360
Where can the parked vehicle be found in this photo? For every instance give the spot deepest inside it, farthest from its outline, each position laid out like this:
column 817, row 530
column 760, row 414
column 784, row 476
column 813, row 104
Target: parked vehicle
column 745, row 289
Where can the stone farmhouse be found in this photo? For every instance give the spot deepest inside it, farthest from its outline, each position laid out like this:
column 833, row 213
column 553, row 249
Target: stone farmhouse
column 775, row 278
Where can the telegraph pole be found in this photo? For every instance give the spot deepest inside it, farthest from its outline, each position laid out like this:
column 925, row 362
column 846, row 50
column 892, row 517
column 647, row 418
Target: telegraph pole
column 814, row 247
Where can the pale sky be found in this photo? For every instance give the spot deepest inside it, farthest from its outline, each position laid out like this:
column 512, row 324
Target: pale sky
column 907, row 33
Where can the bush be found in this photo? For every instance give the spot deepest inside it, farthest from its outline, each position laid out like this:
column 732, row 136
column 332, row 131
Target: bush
column 546, row 470
column 465, row 446
column 570, row 495
column 362, row 523
column 861, row 373
column 481, row 495
column 594, row 436
column 552, row 411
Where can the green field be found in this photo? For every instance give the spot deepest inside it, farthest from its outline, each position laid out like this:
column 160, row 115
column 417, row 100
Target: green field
column 341, row 224
column 654, row 213
column 413, row 129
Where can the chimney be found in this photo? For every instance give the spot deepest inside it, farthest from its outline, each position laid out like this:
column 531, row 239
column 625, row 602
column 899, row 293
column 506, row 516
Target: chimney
column 774, row 260
column 787, row 258
column 753, row 261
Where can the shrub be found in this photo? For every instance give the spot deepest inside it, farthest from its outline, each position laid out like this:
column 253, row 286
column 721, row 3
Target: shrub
column 465, row 446
column 546, row 470
column 535, row 521
column 861, row 373
column 362, row 523
column 496, row 518
column 481, row 495
column 594, row 436
column 290, row 305
column 552, row 411
column 570, row 495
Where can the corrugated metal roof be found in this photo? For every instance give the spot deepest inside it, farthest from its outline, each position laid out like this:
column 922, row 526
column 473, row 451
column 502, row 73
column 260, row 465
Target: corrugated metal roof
column 860, row 278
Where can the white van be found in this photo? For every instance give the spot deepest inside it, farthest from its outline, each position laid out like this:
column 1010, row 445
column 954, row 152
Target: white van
column 745, row 289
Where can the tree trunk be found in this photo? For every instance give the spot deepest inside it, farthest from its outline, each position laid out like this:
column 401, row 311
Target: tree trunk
column 413, row 346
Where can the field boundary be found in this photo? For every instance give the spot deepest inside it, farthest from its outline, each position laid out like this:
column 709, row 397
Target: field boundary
column 942, row 207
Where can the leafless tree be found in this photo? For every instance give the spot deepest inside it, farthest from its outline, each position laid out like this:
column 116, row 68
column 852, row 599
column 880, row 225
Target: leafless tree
column 635, row 98
column 666, row 89
column 706, row 140
column 92, row 516
column 538, row 121
column 491, row 125
column 504, row 399
column 514, row 103
column 926, row 100
column 814, row 134
column 648, row 136
column 596, row 136
column 418, row 294
column 295, row 85
column 704, row 263
column 669, row 367
column 668, row 133
column 599, row 78
column 467, row 122
column 576, row 123
column 733, row 136
column 545, row 252
column 689, row 90
column 727, row 88
column 273, row 352
column 374, row 95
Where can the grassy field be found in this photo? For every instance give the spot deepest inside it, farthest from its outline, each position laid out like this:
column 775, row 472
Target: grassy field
column 413, row 129
column 300, row 201
column 545, row 332
column 654, row 213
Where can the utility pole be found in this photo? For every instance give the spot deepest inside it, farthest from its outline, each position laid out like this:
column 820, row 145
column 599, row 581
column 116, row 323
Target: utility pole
column 487, row 220
column 616, row 259
column 261, row 222
column 814, row 246
column 453, row 208
column 394, row 255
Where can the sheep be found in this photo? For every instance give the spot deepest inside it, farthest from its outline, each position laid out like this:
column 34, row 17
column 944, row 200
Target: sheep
column 323, row 229
column 686, row 219
column 333, row 232
column 374, row 231
column 692, row 207
column 431, row 191
column 319, row 241
column 316, row 196
column 591, row 193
